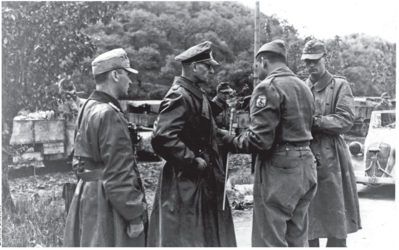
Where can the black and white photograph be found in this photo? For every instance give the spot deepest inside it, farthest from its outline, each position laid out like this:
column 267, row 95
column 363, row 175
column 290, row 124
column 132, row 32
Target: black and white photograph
column 199, row 124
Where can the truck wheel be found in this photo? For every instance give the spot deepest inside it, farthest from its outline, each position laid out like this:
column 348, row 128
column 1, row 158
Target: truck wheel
column 234, row 205
column 363, row 129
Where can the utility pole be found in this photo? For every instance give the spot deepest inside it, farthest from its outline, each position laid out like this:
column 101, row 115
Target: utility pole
column 256, row 40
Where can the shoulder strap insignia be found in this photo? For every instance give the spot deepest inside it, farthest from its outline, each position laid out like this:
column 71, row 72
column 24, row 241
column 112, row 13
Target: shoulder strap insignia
column 341, row 77
column 114, row 107
column 176, row 87
column 268, row 81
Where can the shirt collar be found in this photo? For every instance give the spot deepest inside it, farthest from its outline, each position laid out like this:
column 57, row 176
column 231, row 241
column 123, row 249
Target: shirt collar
column 105, row 98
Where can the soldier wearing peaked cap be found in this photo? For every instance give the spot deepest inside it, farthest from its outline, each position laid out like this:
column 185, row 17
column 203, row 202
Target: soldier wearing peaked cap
column 281, row 110
column 334, row 211
column 109, row 207
column 187, row 210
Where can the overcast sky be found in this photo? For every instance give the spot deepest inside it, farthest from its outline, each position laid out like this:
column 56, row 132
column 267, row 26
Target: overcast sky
column 325, row 19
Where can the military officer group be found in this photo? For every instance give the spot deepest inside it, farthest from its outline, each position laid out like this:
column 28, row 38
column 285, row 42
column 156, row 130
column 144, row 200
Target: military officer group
column 304, row 184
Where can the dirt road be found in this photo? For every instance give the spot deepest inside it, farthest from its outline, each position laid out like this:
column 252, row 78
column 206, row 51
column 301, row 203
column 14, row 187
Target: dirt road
column 378, row 213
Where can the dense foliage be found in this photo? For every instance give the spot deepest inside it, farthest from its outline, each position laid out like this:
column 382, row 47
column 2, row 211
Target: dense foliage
column 42, row 42
column 153, row 33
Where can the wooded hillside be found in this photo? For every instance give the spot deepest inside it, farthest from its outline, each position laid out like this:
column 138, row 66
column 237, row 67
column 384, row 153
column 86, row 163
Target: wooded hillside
column 153, row 33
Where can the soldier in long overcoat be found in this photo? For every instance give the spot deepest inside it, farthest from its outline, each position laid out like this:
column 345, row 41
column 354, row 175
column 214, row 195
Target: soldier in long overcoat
column 187, row 209
column 334, row 212
column 108, row 208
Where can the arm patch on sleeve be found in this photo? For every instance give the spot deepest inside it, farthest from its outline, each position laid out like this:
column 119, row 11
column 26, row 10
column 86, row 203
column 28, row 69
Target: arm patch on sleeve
column 261, row 101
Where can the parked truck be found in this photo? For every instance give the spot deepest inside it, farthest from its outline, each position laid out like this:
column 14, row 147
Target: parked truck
column 47, row 141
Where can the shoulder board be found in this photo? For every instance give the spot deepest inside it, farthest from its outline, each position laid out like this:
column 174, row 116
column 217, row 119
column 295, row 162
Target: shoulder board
column 268, row 80
column 176, row 87
column 114, row 107
column 341, row 77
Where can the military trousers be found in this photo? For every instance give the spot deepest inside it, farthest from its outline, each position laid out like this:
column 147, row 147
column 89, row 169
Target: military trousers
column 285, row 183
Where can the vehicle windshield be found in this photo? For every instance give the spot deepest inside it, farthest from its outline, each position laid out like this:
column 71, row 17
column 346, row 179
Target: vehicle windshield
column 383, row 119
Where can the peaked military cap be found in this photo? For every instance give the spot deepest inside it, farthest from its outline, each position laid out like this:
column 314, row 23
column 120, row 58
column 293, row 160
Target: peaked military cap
column 224, row 87
column 385, row 95
column 313, row 50
column 198, row 53
column 276, row 46
column 114, row 59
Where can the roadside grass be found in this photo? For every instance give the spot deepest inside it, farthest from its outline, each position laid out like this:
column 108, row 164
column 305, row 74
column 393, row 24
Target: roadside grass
column 240, row 169
column 34, row 223
column 39, row 216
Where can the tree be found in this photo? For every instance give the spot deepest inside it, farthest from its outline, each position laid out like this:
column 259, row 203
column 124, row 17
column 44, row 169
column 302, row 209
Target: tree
column 41, row 42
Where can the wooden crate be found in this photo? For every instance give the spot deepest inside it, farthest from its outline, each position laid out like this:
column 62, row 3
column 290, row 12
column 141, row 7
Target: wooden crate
column 53, row 148
column 47, row 131
column 25, row 157
column 37, row 131
column 22, row 132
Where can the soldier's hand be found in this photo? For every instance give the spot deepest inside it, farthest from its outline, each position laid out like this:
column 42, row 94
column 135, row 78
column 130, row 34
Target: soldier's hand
column 201, row 163
column 227, row 141
column 135, row 228
column 221, row 132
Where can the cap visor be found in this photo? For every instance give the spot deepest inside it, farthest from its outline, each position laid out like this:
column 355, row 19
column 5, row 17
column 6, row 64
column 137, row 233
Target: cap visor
column 211, row 61
column 311, row 56
column 132, row 70
column 225, row 91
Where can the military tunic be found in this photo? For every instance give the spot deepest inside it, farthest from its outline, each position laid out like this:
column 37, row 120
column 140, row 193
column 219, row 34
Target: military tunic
column 111, row 195
column 187, row 209
column 281, row 110
column 334, row 211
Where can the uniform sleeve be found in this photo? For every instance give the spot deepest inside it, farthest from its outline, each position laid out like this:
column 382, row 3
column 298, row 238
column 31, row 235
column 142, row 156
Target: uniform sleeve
column 264, row 120
column 342, row 120
column 171, row 120
column 119, row 177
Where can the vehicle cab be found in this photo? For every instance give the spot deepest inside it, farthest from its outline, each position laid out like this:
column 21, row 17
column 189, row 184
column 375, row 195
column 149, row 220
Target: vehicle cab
column 374, row 162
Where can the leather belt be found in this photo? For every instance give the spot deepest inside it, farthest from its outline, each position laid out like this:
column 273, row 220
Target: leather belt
column 295, row 143
column 289, row 147
column 90, row 170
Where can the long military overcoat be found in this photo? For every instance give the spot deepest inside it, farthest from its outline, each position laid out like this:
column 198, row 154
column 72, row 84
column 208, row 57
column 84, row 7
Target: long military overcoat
column 187, row 209
column 101, row 209
column 334, row 211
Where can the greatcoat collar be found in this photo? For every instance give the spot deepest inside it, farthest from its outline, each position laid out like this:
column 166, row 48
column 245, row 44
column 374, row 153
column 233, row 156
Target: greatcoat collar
column 105, row 98
column 321, row 83
column 189, row 85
